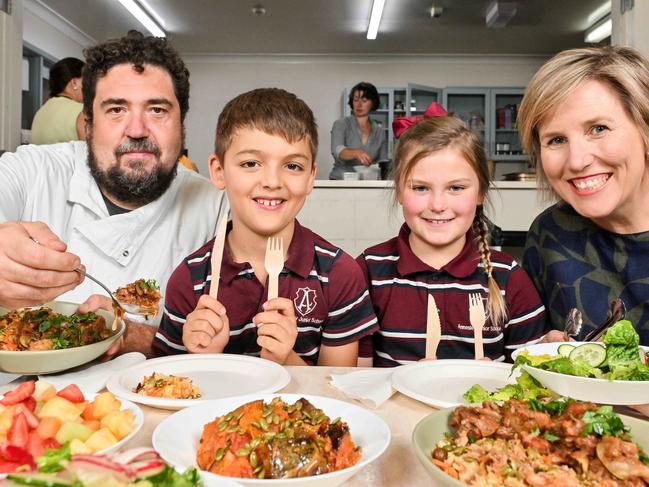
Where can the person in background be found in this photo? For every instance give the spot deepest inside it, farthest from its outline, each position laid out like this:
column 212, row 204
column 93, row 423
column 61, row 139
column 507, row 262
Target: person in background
column 441, row 181
column 584, row 121
column 117, row 204
column 266, row 142
column 61, row 118
column 357, row 139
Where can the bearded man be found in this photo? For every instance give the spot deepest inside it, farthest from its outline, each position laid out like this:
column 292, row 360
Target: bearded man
column 118, row 205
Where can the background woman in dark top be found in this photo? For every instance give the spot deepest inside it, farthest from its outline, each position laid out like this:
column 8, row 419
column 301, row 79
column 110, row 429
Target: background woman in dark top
column 357, row 139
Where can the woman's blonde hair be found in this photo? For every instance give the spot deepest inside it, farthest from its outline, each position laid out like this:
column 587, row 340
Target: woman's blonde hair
column 623, row 69
column 435, row 134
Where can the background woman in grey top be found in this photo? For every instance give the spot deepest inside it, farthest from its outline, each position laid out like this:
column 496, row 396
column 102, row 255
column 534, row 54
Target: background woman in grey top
column 357, row 139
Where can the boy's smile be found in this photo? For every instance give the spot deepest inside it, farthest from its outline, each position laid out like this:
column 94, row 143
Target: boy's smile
column 267, row 179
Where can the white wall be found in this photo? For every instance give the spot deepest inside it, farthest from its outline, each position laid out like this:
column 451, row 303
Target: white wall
column 10, row 76
column 321, row 81
column 50, row 33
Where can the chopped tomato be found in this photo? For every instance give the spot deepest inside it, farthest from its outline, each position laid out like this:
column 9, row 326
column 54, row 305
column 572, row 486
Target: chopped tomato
column 19, row 394
column 32, row 420
column 9, row 467
column 72, row 393
column 35, row 445
column 18, row 431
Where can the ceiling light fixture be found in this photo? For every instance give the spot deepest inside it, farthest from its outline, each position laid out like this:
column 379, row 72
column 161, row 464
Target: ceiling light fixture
column 599, row 31
column 500, row 13
column 375, row 19
column 143, row 17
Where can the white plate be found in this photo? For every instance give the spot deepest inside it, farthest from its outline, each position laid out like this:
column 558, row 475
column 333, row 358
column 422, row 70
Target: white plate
column 176, row 437
column 441, row 383
column 216, row 375
column 49, row 361
column 618, row 392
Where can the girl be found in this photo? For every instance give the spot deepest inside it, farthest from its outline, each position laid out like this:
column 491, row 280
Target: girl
column 441, row 181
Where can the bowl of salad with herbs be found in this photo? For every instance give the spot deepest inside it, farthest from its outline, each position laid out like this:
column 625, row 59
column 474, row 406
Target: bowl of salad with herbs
column 613, row 371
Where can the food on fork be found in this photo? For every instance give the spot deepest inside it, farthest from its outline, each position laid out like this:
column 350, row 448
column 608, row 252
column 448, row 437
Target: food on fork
column 167, row 386
column 143, row 294
column 44, row 329
column 560, row 442
column 276, row 440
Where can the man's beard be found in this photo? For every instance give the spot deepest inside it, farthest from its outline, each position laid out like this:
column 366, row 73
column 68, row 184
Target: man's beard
column 138, row 187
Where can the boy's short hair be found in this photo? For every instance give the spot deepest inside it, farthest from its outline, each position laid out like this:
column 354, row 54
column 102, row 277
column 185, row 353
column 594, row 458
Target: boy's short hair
column 270, row 110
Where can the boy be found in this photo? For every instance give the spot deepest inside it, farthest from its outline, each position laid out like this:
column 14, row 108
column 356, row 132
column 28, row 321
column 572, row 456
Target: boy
column 266, row 141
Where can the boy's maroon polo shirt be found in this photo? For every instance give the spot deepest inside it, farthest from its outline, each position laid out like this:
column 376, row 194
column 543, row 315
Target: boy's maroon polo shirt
column 399, row 286
column 326, row 285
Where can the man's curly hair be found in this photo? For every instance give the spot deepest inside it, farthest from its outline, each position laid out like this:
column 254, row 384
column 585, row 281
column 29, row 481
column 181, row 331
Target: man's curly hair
column 138, row 50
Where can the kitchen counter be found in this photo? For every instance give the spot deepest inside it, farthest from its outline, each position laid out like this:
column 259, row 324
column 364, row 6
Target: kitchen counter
column 355, row 215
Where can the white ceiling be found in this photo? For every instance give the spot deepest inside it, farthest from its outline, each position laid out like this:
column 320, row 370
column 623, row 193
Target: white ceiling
column 338, row 26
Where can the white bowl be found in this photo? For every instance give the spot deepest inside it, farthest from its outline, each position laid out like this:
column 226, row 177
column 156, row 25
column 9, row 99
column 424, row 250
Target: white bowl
column 604, row 391
column 50, row 361
column 176, row 438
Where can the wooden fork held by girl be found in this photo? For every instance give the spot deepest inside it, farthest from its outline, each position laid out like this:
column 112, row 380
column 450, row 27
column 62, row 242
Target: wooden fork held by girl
column 477, row 317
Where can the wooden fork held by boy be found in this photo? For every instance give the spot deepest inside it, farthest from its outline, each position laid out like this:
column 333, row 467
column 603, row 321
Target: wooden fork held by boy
column 477, row 317
column 433, row 328
column 217, row 256
column 274, row 263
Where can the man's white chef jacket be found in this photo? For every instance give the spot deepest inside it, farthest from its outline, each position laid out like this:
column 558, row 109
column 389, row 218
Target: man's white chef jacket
column 53, row 184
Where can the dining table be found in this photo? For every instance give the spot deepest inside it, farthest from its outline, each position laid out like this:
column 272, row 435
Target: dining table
column 397, row 466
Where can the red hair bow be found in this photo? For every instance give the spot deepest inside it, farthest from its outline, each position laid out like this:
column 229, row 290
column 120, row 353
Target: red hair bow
column 401, row 124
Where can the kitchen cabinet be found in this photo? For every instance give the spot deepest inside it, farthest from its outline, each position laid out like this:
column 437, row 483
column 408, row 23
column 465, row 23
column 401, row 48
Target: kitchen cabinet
column 492, row 113
column 395, row 102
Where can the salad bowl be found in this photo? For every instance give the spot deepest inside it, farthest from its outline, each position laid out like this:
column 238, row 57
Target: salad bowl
column 603, row 391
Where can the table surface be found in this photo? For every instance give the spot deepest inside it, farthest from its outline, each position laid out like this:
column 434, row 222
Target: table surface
column 398, row 466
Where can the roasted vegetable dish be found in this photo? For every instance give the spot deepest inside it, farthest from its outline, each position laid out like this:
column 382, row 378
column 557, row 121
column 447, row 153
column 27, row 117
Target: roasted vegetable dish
column 167, row 386
column 143, row 293
column 537, row 443
column 45, row 329
column 276, row 440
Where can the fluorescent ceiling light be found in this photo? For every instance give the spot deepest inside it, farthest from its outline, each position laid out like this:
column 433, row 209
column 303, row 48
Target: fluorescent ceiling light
column 603, row 10
column 375, row 18
column 599, row 31
column 143, row 18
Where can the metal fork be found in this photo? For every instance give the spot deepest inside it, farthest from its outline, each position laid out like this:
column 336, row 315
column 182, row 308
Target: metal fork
column 477, row 317
column 274, row 263
column 115, row 302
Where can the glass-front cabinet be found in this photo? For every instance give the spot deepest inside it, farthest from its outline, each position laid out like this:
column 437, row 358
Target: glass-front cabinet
column 473, row 105
column 505, row 142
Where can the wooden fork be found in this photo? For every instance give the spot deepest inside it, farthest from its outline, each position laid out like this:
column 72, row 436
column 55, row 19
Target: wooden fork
column 477, row 318
column 274, row 263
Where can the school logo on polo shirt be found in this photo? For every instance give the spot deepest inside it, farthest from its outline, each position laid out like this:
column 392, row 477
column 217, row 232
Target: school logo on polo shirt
column 305, row 300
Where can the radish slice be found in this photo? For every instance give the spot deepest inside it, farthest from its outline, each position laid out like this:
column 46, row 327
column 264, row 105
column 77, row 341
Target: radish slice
column 136, row 454
column 84, row 465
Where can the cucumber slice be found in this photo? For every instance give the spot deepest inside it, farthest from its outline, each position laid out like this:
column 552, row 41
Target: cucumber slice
column 565, row 349
column 594, row 354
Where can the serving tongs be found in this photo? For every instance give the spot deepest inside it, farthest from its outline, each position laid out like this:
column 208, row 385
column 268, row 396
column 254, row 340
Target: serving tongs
column 616, row 312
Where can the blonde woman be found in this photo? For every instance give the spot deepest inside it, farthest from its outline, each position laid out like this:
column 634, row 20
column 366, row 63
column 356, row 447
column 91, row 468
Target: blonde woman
column 584, row 123
column 441, row 181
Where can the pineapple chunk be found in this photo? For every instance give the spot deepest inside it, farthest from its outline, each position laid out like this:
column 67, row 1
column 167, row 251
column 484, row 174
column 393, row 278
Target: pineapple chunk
column 104, row 404
column 120, row 423
column 100, row 440
column 79, row 447
column 61, row 409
